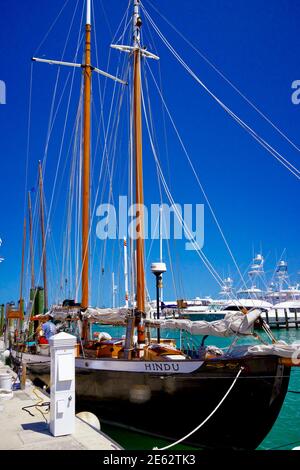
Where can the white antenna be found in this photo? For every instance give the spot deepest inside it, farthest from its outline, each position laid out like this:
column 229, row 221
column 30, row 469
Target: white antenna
column 125, row 272
column 88, row 11
column 1, row 259
column 160, row 234
column 160, row 243
column 114, row 290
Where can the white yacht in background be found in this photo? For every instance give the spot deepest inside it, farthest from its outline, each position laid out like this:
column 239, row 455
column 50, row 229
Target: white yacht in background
column 226, row 293
column 281, row 290
column 285, row 300
column 256, row 274
column 192, row 309
column 250, row 297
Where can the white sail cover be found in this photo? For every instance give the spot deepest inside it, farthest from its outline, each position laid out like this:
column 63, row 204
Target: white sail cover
column 234, row 323
column 108, row 316
column 280, row 348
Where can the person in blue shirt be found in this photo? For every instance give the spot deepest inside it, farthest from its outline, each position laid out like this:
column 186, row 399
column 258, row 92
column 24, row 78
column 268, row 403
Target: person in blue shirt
column 48, row 328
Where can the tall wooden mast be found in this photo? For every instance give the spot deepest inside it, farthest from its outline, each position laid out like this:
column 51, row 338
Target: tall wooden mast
column 86, row 160
column 137, row 51
column 31, row 241
column 42, row 220
column 138, row 149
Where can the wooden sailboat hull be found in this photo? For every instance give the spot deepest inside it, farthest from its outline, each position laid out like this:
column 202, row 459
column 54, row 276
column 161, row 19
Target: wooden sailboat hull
column 172, row 403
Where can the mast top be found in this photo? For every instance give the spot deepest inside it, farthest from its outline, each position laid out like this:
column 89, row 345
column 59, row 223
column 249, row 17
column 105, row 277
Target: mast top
column 137, row 23
column 88, row 12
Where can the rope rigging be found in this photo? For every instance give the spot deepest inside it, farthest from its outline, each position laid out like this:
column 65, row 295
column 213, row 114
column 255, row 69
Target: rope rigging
column 197, row 179
column 223, row 76
column 289, row 166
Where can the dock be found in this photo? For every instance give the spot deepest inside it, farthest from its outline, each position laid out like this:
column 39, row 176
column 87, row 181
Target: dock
column 29, row 430
column 283, row 318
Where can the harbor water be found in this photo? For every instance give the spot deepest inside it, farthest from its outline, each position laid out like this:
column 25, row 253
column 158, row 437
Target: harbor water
column 284, row 435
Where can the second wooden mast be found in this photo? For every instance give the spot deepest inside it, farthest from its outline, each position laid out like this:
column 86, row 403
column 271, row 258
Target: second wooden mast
column 86, row 161
column 138, row 148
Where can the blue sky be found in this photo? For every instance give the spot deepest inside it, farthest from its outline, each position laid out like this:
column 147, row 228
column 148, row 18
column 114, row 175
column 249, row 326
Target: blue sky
column 255, row 44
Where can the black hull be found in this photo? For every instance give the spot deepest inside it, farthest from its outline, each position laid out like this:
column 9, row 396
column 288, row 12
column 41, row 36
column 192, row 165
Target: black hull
column 172, row 406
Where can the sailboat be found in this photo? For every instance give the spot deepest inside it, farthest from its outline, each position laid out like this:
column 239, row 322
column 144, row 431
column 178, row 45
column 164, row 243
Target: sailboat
column 147, row 383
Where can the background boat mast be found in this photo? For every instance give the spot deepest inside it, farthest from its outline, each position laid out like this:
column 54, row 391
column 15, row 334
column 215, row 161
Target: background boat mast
column 31, row 241
column 42, row 221
column 22, row 267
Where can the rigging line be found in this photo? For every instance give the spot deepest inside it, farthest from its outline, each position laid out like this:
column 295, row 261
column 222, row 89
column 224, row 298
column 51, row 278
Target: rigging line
column 198, row 250
column 74, row 144
column 60, row 182
column 197, row 179
column 168, row 171
column 52, row 239
column 125, row 16
column 222, row 75
column 95, row 202
column 106, row 17
column 179, row 277
column 152, row 241
column 51, row 27
column 105, row 83
column 121, row 38
column 65, row 122
column 102, row 118
column 126, row 24
column 200, row 253
column 28, row 138
column 160, row 188
column 51, row 124
column 101, row 96
column 108, row 173
column 68, row 216
column 162, row 107
column 61, row 146
column 101, row 106
column 78, row 201
column 52, row 205
column 106, row 151
column 206, row 419
column 202, row 84
column 257, row 137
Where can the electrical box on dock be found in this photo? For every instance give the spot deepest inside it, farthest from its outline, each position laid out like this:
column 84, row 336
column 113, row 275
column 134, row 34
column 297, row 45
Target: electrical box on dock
column 62, row 409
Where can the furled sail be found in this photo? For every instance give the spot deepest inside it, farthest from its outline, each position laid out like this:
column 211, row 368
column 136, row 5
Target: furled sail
column 234, row 323
column 280, row 348
column 108, row 316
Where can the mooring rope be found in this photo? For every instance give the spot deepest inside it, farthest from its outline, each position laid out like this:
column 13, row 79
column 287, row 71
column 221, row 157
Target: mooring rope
column 206, row 419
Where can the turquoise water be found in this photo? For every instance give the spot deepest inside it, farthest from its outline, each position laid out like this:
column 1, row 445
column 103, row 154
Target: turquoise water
column 285, row 433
